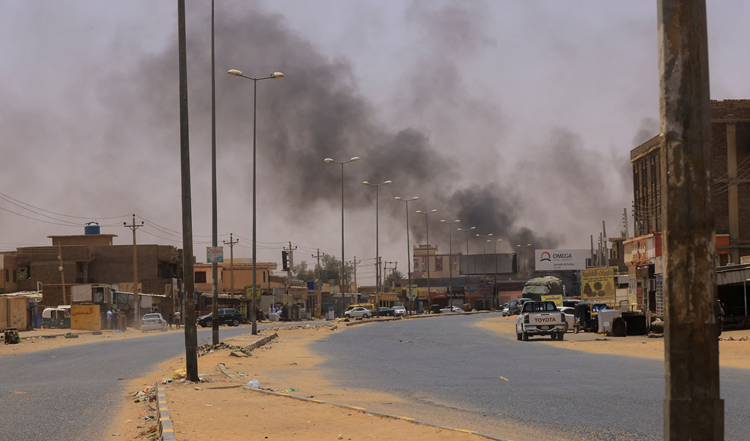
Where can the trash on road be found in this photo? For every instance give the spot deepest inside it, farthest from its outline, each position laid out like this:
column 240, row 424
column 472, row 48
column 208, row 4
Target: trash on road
column 255, row 384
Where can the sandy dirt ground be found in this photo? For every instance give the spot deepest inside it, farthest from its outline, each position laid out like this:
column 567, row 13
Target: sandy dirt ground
column 221, row 408
column 733, row 352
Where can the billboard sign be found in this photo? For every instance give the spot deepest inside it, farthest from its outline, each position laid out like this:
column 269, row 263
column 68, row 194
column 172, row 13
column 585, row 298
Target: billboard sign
column 412, row 292
column 214, row 254
column 560, row 260
column 598, row 284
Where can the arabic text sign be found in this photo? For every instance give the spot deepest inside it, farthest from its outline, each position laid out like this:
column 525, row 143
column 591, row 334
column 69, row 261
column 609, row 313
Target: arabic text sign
column 598, row 284
column 214, row 254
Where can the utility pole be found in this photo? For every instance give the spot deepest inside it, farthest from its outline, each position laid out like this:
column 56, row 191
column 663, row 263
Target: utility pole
column 356, row 290
column 604, row 244
column 62, row 273
column 214, row 228
column 592, row 251
column 289, row 279
column 625, row 222
column 319, row 298
column 380, row 278
column 231, row 244
column 136, row 300
column 191, row 333
column 693, row 408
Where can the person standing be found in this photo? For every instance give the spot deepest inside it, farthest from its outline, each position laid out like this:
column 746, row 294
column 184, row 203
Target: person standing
column 177, row 319
column 109, row 319
column 171, row 320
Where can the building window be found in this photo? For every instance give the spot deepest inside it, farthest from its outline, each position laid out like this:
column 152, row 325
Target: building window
column 200, row 277
column 7, row 275
column 14, row 275
column 264, row 277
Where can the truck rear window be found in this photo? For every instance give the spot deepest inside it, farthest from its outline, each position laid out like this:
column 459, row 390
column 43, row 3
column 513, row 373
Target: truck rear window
column 539, row 307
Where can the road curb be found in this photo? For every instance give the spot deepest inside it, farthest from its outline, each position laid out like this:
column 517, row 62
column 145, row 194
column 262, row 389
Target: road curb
column 166, row 429
column 420, row 316
column 375, row 412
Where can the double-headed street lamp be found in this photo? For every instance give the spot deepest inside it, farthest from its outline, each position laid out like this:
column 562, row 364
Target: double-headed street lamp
column 524, row 246
column 467, row 231
column 450, row 258
column 377, row 243
column 427, row 227
column 275, row 75
column 484, row 255
column 329, row 160
column 408, row 244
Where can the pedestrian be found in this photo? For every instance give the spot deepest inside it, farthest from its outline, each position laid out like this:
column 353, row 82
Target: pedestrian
column 177, row 318
column 171, row 320
column 109, row 319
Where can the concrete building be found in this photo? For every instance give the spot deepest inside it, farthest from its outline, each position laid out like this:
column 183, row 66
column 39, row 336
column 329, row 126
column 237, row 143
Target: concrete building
column 9, row 274
column 440, row 264
column 92, row 258
column 730, row 173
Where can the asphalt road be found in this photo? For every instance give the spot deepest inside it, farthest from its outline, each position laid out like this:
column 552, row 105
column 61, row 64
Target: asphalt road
column 69, row 393
column 449, row 372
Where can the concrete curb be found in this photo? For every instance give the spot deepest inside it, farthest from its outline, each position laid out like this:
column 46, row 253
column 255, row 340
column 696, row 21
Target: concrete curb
column 261, row 342
column 375, row 412
column 166, row 429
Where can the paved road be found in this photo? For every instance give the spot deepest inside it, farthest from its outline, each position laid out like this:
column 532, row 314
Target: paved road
column 70, row 392
column 449, row 372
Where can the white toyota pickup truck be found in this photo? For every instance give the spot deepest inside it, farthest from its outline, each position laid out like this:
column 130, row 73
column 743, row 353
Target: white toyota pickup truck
column 540, row 318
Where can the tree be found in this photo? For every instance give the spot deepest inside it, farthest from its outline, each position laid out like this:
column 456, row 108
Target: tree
column 330, row 269
column 390, row 280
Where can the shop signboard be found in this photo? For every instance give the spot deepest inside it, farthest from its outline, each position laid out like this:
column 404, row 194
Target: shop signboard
column 85, row 317
column 598, row 284
column 412, row 292
column 214, row 254
column 559, row 260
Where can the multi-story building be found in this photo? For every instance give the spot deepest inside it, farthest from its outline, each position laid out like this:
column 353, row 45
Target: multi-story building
column 439, row 264
column 730, row 174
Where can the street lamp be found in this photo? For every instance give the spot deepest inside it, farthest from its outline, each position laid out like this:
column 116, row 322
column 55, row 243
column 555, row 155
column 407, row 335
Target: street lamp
column 524, row 246
column 427, row 227
column 450, row 258
column 408, row 244
column 377, row 244
column 328, row 161
column 275, row 75
column 484, row 255
column 494, row 276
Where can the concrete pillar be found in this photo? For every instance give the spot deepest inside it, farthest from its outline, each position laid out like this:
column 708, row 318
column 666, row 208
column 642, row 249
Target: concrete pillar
column 693, row 408
column 733, row 193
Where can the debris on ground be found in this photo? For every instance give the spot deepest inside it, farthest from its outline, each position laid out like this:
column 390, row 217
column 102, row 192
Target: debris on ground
column 208, row 348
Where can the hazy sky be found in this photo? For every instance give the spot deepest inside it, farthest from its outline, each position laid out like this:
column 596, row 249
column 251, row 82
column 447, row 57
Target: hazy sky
column 516, row 117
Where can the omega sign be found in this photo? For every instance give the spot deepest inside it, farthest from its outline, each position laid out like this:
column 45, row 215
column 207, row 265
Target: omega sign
column 556, row 260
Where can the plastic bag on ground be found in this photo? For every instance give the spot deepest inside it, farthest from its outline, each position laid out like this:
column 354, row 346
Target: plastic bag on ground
column 255, row 384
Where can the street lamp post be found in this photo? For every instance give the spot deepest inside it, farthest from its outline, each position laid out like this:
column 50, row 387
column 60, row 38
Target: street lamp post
column 275, row 75
column 450, row 258
column 408, row 244
column 494, row 276
column 427, row 227
column 377, row 244
column 328, row 161
column 484, row 255
column 524, row 246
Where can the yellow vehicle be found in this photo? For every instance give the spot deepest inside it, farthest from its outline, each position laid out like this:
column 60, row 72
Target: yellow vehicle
column 368, row 306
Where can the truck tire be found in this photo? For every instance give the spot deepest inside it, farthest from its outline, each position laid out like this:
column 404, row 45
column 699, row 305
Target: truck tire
column 561, row 336
column 576, row 328
column 525, row 336
column 554, row 336
column 518, row 336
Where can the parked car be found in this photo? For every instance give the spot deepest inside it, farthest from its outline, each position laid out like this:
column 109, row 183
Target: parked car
column 370, row 307
column 357, row 311
column 506, row 311
column 515, row 305
column 153, row 322
column 435, row 309
column 399, row 310
column 569, row 316
column 451, row 309
column 385, row 311
column 228, row 316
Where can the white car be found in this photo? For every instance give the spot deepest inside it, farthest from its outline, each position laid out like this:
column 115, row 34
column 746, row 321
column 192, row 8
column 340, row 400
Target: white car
column 569, row 318
column 399, row 310
column 451, row 309
column 357, row 312
column 153, row 322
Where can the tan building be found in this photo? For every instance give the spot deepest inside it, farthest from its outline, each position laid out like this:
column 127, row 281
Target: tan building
column 9, row 274
column 439, row 263
column 243, row 276
column 730, row 173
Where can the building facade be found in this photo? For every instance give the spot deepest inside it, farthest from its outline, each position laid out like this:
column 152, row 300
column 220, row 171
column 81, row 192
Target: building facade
column 730, row 175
